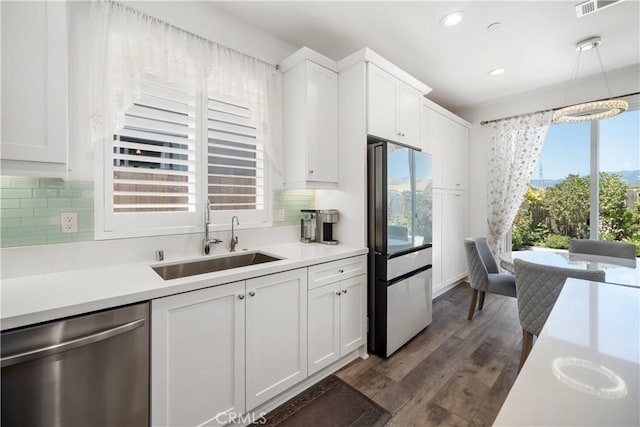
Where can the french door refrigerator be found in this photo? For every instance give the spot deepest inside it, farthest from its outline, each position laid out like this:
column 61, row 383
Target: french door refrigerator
column 399, row 234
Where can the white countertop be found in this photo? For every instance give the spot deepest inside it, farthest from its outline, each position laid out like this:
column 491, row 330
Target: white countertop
column 584, row 369
column 33, row 299
column 620, row 271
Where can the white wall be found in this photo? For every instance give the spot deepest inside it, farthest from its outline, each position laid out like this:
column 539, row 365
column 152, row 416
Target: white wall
column 622, row 81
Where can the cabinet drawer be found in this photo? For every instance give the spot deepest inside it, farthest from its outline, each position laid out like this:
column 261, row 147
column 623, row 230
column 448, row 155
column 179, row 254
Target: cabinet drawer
column 330, row 272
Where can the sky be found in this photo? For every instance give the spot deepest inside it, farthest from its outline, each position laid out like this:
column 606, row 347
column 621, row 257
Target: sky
column 566, row 149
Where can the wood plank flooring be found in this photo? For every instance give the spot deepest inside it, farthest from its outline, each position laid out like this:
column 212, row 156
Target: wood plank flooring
column 454, row 373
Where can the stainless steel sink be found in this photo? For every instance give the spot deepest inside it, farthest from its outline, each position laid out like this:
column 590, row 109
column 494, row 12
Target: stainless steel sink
column 192, row 268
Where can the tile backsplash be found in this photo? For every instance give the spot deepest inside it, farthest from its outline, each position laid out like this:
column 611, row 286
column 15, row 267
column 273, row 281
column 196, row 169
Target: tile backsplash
column 30, row 209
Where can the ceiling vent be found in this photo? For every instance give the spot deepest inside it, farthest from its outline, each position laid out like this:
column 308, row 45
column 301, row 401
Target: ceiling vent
column 591, row 6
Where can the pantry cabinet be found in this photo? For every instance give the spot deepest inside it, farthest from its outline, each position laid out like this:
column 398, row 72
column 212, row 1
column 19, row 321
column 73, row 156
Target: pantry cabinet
column 198, row 356
column 337, row 310
column 35, row 88
column 393, row 108
column 310, row 125
column 276, row 341
column 450, row 228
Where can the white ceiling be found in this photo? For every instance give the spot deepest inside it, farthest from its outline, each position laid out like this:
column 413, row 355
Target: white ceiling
column 535, row 41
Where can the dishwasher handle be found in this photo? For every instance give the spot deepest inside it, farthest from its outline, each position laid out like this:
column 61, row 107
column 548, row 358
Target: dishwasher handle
column 69, row 345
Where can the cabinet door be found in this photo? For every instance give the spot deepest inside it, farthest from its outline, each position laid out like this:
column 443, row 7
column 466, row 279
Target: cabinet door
column 276, row 346
column 460, row 202
column 34, row 85
column 322, row 124
column 353, row 306
column 434, row 136
column 455, row 155
column 449, row 236
column 324, row 326
column 197, row 356
column 382, row 103
column 409, row 104
column 437, row 260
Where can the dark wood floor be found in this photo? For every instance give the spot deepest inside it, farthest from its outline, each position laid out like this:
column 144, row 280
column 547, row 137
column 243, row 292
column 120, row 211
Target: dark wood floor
column 454, row 373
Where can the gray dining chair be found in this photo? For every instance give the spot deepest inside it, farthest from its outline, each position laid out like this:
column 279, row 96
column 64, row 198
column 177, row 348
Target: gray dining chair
column 604, row 248
column 538, row 287
column 484, row 275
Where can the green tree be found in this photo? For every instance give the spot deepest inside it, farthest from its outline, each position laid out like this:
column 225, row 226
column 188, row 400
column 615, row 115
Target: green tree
column 568, row 206
column 616, row 221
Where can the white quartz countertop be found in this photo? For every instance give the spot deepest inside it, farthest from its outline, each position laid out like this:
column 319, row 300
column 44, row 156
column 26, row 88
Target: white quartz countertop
column 33, row 299
column 584, row 369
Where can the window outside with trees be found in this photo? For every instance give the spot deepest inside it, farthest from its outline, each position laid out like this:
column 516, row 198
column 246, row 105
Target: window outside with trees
column 557, row 205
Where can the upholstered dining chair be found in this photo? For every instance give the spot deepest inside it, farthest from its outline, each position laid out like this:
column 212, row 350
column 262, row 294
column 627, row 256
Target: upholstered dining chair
column 604, row 248
column 538, row 287
column 484, row 275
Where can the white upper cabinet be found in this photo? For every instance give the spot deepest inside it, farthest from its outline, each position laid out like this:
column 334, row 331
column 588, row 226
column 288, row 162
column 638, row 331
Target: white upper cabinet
column 393, row 108
column 448, row 142
column 310, row 130
column 34, row 122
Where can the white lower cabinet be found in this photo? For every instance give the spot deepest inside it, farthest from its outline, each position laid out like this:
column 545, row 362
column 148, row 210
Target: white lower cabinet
column 221, row 351
column 337, row 321
column 198, row 356
column 276, row 341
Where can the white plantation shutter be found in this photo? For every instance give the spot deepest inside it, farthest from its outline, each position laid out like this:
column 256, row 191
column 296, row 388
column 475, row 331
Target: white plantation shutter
column 235, row 166
column 154, row 170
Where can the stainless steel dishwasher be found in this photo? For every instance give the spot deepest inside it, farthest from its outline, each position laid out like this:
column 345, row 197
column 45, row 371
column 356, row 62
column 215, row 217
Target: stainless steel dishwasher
column 90, row 370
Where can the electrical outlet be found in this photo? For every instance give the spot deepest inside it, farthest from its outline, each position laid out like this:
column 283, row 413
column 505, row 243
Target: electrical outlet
column 69, row 222
column 281, row 216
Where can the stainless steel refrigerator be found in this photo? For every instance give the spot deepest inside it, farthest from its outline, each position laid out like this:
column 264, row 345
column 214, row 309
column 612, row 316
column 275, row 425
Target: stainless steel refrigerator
column 400, row 237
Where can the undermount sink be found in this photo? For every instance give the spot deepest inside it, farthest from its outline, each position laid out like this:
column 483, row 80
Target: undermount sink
column 192, row 268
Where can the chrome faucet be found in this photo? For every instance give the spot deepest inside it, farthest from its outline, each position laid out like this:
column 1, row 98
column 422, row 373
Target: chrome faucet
column 206, row 243
column 234, row 240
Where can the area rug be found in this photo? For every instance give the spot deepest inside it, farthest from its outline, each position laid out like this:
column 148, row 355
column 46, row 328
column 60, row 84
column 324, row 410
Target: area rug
column 329, row 403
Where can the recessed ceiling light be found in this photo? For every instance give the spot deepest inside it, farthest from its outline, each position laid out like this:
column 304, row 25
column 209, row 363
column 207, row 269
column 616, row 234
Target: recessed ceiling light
column 452, row 19
column 497, row 71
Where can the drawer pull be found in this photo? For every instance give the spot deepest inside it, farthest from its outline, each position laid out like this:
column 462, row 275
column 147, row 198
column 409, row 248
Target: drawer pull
column 240, row 296
column 338, row 293
column 341, row 271
column 251, row 294
column 344, row 291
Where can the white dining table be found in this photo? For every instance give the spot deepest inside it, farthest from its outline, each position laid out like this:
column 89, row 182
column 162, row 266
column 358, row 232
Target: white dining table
column 619, row 271
column 584, row 368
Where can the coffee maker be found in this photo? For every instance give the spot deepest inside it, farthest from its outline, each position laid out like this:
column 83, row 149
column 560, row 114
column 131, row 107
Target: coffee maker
column 327, row 219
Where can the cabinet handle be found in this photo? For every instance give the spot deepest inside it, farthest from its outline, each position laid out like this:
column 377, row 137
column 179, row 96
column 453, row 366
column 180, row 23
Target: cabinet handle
column 240, row 296
column 457, row 185
column 311, row 171
column 344, row 291
column 341, row 271
column 338, row 293
column 252, row 294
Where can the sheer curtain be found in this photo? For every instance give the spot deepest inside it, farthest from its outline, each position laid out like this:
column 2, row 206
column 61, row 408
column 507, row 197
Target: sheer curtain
column 516, row 144
column 129, row 46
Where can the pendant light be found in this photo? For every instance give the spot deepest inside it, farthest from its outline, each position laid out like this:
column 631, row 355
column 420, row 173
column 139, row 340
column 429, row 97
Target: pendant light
column 588, row 111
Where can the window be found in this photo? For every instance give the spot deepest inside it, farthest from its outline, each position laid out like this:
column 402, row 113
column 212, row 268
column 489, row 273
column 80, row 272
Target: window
column 235, row 167
column 584, row 184
column 158, row 171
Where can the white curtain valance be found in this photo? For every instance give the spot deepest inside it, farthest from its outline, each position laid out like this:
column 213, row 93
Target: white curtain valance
column 516, row 144
column 129, row 47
